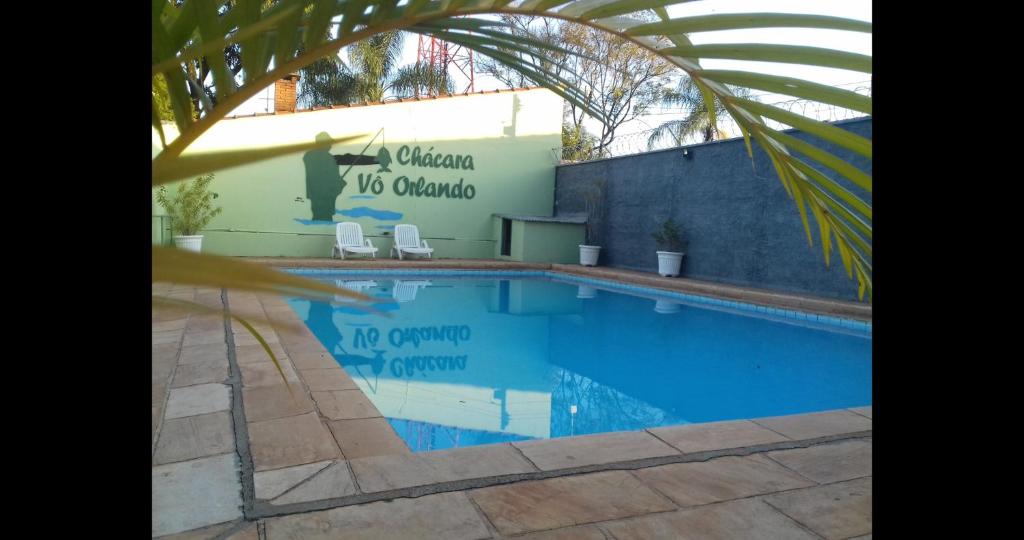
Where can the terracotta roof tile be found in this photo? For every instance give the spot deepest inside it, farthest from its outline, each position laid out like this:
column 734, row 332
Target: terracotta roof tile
column 370, row 104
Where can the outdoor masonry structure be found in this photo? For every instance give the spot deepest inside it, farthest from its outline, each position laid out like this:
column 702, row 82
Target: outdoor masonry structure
column 284, row 93
column 743, row 228
column 240, row 453
column 411, row 161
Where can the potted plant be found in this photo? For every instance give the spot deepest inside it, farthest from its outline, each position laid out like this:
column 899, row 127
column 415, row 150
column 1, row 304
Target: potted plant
column 672, row 243
column 592, row 199
column 190, row 209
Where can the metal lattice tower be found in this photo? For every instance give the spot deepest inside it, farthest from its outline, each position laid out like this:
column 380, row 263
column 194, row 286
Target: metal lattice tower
column 439, row 54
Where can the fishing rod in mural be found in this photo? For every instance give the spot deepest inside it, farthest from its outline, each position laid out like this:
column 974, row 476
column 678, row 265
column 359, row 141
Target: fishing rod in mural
column 325, row 183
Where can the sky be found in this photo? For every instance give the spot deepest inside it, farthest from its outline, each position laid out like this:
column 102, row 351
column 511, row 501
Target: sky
column 835, row 39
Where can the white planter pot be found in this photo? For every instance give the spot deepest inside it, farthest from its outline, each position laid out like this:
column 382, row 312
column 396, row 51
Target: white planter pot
column 585, row 292
column 589, row 254
column 191, row 243
column 669, row 263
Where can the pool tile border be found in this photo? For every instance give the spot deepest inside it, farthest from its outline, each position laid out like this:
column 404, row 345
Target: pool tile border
column 806, row 318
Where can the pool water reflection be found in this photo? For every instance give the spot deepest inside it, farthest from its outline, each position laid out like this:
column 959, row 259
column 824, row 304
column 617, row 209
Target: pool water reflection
column 469, row 361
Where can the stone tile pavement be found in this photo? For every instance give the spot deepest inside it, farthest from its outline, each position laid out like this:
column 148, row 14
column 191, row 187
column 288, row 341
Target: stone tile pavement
column 238, row 452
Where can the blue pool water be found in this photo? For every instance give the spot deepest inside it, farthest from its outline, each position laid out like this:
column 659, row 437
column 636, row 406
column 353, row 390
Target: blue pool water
column 469, row 360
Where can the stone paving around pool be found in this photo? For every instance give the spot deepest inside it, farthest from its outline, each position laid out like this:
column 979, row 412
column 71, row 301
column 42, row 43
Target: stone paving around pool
column 240, row 454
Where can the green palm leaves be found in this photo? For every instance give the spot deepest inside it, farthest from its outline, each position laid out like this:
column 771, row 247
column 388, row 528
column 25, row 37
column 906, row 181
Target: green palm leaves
column 277, row 38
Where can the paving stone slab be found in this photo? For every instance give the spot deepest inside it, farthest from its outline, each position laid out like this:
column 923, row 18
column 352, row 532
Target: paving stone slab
column 162, row 369
column 585, row 532
column 319, row 380
column 838, row 510
column 193, row 437
column 692, row 438
column 571, row 500
column 249, row 532
column 270, row 402
column 197, row 493
column 167, row 337
column 158, row 414
column 445, row 515
column 311, row 359
column 381, row 473
column 721, row 479
column 203, row 353
column 345, row 404
column 863, row 411
column 827, row 463
column 285, row 322
column 200, row 373
column 747, row 519
column 256, row 354
column 243, row 337
column 364, row 437
column 205, row 533
column 205, row 323
column 270, row 484
column 266, row 374
column 170, row 324
column 332, row 482
column 285, row 442
column 199, row 399
column 813, row 425
column 213, row 337
column 165, row 351
column 568, row 452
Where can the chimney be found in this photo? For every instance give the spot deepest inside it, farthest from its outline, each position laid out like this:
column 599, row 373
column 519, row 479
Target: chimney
column 284, row 93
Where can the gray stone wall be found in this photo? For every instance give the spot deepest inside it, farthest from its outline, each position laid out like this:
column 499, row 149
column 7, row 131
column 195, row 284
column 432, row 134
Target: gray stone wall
column 742, row 227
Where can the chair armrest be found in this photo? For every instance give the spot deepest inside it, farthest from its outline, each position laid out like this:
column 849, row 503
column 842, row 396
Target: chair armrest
column 369, row 243
column 425, row 244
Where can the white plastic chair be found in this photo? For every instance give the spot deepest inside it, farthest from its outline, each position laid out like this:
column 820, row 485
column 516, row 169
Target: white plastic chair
column 407, row 239
column 349, row 237
column 356, row 286
column 405, row 291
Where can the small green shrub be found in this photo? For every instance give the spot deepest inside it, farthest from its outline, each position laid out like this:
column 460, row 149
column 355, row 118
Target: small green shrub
column 669, row 238
column 191, row 207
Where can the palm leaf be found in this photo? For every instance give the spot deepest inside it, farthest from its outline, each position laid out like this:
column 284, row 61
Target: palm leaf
column 172, row 265
column 187, row 166
column 290, row 31
column 736, row 21
column 195, row 306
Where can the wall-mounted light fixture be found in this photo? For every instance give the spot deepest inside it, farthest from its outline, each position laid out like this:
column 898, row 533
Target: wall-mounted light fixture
column 687, row 154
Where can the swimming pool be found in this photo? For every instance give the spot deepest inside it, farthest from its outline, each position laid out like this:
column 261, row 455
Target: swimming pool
column 474, row 358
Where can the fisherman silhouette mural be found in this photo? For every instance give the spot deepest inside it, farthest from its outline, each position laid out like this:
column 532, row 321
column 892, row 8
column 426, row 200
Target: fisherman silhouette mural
column 323, row 182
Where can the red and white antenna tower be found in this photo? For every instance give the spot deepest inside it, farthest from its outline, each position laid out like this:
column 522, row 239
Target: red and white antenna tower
column 439, row 55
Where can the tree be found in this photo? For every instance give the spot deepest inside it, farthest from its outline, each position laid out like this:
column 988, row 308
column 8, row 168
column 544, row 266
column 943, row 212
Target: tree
column 697, row 121
column 373, row 75
column 577, row 143
column 544, row 30
column 326, row 82
column 291, row 35
column 620, row 78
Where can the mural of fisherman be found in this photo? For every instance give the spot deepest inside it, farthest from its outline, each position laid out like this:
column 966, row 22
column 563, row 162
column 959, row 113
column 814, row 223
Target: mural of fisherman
column 323, row 181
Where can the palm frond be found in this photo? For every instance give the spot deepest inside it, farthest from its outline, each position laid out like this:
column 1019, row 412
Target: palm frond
column 279, row 38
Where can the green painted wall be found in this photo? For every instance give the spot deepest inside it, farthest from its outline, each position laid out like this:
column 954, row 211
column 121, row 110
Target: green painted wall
column 534, row 241
column 552, row 242
column 506, row 137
